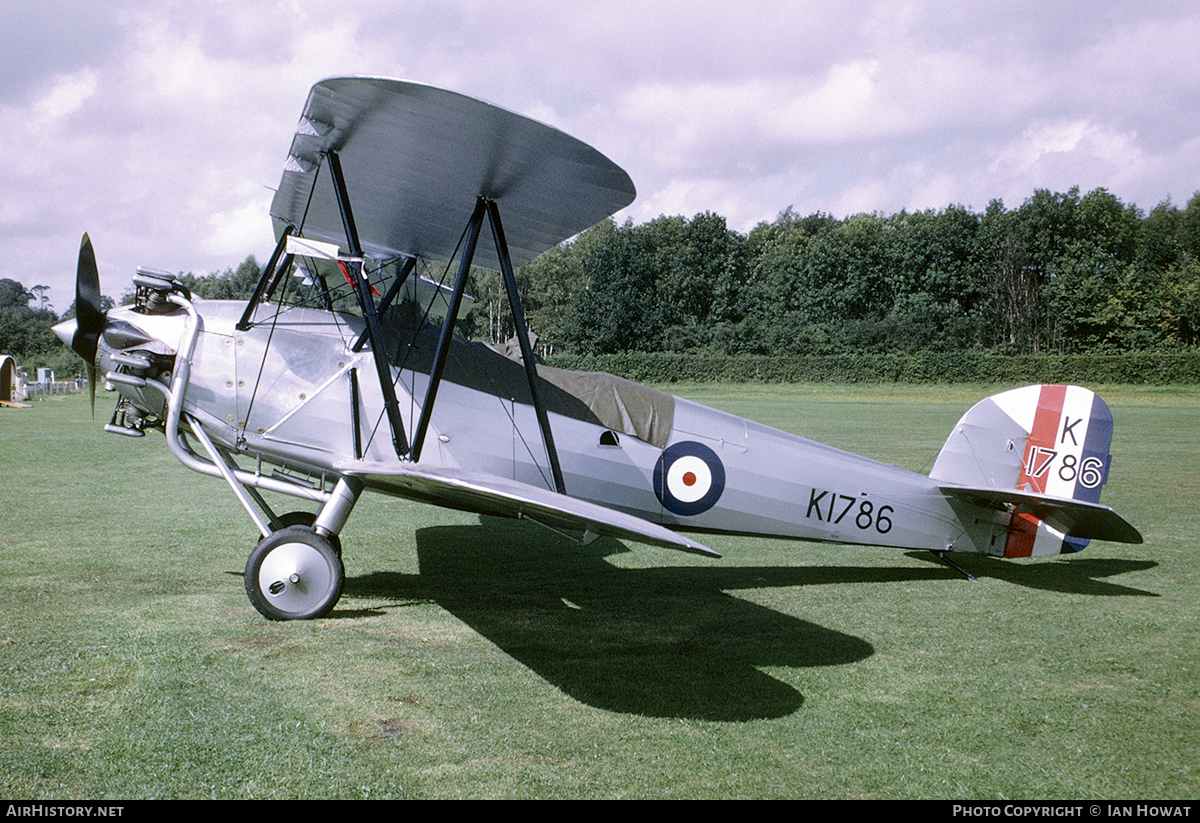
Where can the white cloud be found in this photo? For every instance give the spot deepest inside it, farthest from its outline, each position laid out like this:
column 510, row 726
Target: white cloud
column 1060, row 154
column 65, row 97
column 241, row 228
column 159, row 125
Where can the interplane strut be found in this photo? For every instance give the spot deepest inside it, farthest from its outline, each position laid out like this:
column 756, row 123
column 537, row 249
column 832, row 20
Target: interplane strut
column 373, row 333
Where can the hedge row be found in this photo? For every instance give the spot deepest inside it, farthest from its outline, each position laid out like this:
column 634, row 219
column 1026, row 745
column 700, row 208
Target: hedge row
column 923, row 367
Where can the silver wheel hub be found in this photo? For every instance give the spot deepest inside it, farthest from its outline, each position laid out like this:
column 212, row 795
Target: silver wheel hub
column 295, row 577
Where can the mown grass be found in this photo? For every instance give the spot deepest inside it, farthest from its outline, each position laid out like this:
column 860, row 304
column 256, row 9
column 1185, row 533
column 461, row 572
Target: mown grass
column 483, row 658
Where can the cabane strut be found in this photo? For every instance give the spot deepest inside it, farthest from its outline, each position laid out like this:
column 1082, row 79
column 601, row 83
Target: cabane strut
column 374, row 330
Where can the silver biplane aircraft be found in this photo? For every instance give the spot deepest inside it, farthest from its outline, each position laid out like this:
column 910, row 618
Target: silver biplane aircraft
column 321, row 393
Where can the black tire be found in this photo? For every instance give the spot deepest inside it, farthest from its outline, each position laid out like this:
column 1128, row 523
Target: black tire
column 305, row 519
column 294, row 574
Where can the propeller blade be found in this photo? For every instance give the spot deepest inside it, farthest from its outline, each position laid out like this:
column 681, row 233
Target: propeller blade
column 89, row 315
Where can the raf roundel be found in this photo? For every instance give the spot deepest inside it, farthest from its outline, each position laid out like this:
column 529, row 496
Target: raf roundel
column 688, row 478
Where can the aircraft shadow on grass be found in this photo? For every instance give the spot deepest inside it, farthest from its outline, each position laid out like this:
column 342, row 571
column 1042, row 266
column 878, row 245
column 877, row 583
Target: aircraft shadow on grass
column 1079, row 576
column 659, row 642
column 667, row 642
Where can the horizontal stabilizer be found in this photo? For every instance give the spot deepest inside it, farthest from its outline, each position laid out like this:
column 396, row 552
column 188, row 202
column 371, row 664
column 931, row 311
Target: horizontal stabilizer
column 489, row 494
column 1074, row 518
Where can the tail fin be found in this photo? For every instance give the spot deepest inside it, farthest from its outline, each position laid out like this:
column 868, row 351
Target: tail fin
column 1039, row 455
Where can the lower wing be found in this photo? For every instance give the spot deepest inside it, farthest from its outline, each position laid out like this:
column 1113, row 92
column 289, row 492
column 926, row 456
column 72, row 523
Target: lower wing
column 488, row 494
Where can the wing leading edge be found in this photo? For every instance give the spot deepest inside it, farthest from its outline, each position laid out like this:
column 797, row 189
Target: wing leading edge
column 488, row 494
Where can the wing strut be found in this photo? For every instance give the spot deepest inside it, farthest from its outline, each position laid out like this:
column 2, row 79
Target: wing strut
column 514, row 302
column 370, row 313
column 443, row 347
column 491, row 210
column 405, row 270
column 266, row 277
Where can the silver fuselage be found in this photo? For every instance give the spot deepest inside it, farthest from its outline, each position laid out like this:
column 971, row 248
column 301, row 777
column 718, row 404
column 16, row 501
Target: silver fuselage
column 281, row 393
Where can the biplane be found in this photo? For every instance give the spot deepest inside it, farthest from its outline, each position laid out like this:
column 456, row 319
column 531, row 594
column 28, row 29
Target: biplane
column 343, row 374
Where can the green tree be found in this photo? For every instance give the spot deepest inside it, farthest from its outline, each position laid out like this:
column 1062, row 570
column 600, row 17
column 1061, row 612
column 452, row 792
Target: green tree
column 549, row 285
column 1181, row 314
column 617, row 310
column 26, row 332
column 231, row 284
column 13, row 295
column 1188, row 230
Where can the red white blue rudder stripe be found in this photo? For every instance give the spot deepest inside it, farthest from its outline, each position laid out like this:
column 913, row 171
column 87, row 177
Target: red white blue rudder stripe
column 1066, row 455
column 1070, row 430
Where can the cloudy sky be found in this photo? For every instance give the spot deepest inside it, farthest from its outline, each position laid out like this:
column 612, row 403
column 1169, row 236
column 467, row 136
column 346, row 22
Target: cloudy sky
column 161, row 128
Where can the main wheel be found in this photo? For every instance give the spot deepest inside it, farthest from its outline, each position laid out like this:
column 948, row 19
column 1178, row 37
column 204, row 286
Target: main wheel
column 294, row 574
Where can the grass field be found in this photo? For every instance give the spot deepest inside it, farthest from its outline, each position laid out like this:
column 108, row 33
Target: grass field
column 490, row 659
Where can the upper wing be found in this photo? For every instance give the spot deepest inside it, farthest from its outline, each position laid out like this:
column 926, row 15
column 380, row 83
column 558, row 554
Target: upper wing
column 488, row 494
column 416, row 158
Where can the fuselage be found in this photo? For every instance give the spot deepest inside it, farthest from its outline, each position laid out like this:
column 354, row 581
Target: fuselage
column 288, row 390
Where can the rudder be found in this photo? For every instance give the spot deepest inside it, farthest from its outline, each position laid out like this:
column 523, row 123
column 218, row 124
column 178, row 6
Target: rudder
column 1048, row 441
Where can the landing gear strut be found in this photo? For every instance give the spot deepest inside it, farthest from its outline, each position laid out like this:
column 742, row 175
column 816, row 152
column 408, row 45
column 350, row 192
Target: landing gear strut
column 295, row 572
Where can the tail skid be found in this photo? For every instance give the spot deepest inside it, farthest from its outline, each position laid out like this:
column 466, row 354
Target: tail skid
column 1037, row 457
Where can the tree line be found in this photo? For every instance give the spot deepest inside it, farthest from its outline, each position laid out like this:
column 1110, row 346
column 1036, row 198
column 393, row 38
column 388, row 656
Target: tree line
column 1063, row 273
column 25, row 330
